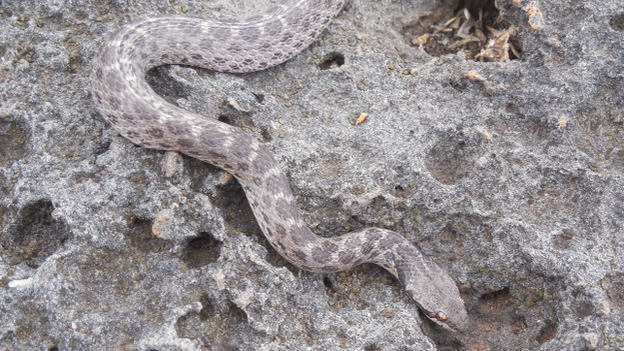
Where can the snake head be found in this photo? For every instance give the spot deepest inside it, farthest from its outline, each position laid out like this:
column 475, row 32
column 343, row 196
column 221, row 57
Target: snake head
column 436, row 295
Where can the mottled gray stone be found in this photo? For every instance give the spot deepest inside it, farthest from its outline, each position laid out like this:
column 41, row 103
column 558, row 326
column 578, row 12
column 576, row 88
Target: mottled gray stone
column 508, row 175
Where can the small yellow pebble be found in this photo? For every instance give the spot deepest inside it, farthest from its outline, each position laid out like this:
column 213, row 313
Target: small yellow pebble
column 361, row 119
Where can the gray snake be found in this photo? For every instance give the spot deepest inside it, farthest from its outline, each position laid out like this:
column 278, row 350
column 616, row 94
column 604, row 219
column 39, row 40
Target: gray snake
column 126, row 101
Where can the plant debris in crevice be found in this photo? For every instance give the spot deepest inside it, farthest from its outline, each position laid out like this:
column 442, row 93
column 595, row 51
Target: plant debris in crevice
column 481, row 33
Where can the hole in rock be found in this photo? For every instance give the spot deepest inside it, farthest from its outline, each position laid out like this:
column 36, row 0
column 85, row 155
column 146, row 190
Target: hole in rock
column 547, row 332
column 35, row 235
column 207, row 310
column 140, row 237
column 328, row 283
column 202, row 250
column 216, row 327
column 225, row 120
column 399, row 191
column 259, row 97
column 617, row 22
column 450, row 160
column 333, row 60
column 472, row 26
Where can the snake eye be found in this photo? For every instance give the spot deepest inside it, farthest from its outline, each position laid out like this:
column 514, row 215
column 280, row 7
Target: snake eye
column 441, row 317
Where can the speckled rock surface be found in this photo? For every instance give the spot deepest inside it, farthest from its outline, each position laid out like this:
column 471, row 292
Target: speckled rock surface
column 509, row 175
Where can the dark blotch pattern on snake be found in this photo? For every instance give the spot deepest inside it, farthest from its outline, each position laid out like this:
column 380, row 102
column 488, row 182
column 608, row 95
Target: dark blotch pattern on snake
column 126, row 101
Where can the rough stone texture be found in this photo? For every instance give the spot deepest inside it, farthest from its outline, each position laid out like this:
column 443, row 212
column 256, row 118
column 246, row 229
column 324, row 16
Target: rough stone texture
column 509, row 175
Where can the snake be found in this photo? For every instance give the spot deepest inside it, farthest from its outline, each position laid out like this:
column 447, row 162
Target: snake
column 123, row 97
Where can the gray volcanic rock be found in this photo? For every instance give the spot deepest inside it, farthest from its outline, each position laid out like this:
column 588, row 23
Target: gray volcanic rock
column 508, row 174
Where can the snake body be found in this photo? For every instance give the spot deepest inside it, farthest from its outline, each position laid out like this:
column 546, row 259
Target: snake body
column 126, row 101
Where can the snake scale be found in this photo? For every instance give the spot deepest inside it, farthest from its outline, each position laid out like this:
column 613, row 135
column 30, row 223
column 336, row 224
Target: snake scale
column 124, row 98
